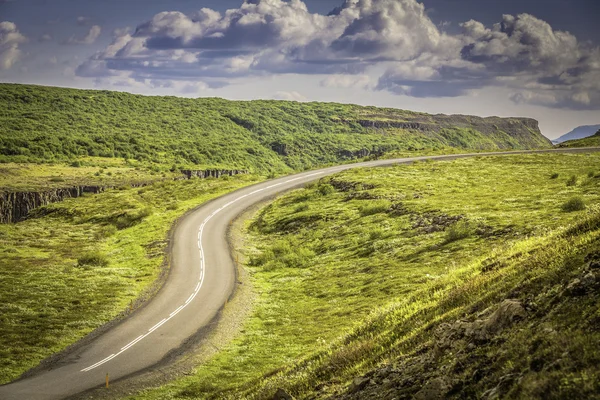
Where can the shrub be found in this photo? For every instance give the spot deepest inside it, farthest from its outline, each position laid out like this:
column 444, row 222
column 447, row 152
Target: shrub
column 301, row 208
column 106, row 231
column 375, row 207
column 574, row 204
column 326, row 189
column 130, row 219
column 56, row 179
column 95, row 259
column 572, row 181
column 76, row 164
column 460, row 230
column 554, row 175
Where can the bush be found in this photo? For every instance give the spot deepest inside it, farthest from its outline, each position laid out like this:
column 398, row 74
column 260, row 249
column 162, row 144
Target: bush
column 76, row 164
column 128, row 219
column 375, row 207
column 460, row 230
column 95, row 259
column 301, row 208
column 106, row 231
column 572, row 181
column 554, row 175
column 326, row 189
column 574, row 204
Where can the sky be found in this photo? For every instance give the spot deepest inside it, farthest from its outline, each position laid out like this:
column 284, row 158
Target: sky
column 530, row 58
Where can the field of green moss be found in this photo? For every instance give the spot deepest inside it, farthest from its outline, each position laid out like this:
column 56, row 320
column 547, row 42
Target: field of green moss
column 76, row 265
column 361, row 269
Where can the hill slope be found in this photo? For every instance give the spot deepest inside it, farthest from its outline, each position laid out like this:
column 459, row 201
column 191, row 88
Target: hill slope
column 590, row 141
column 578, row 133
column 370, row 284
column 49, row 124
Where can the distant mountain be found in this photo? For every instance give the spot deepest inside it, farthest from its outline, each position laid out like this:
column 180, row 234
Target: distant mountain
column 578, row 133
column 590, row 141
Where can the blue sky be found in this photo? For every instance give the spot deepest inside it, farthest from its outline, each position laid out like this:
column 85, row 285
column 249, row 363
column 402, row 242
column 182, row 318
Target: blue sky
column 532, row 58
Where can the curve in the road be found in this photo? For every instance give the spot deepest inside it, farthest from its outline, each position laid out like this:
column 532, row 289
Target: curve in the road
column 191, row 297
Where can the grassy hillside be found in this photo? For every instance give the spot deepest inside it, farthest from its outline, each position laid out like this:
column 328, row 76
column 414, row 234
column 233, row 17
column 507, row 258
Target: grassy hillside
column 377, row 267
column 76, row 265
column 591, row 141
column 54, row 124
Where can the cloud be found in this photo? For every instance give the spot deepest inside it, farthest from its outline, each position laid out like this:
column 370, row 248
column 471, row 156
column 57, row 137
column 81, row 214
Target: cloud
column 90, row 38
column 543, row 66
column 83, row 21
column 45, row 38
column 347, row 81
column 10, row 39
column 289, row 96
column 395, row 37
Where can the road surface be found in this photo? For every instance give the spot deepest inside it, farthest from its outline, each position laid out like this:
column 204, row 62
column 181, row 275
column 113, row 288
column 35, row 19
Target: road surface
column 201, row 279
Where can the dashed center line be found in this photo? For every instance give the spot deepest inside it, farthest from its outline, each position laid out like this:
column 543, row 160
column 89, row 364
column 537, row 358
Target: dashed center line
column 200, row 279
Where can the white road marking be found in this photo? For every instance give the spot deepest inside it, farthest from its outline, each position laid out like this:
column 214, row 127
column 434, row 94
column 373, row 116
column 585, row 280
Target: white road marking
column 200, row 280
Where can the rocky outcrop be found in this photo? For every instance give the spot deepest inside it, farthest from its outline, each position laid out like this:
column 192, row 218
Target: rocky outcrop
column 383, row 124
column 16, row 206
column 280, row 148
column 211, row 173
column 525, row 131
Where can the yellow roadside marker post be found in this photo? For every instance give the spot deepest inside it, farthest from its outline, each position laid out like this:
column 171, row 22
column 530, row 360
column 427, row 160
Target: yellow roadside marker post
column 107, row 380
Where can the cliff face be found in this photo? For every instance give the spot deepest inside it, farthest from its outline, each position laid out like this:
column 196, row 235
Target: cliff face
column 525, row 131
column 211, row 173
column 16, row 206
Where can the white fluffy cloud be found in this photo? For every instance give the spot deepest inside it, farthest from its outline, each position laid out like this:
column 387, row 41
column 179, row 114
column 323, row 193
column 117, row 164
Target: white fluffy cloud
column 289, row 96
column 347, row 81
column 90, row 38
column 10, row 39
column 262, row 37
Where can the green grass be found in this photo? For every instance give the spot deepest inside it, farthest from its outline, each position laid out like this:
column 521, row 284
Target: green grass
column 78, row 264
column 44, row 124
column 352, row 277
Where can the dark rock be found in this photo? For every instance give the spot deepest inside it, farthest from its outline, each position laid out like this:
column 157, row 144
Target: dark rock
column 434, row 389
column 280, row 148
column 282, row 395
column 509, row 312
column 362, row 153
column 211, row 173
column 358, row 384
column 586, row 283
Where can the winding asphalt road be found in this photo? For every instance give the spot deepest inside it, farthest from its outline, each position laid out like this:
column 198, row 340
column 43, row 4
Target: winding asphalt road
column 201, row 279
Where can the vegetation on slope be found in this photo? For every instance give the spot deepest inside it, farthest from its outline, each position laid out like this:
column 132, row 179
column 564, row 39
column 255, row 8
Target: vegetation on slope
column 54, row 124
column 76, row 265
column 90, row 171
column 591, row 141
column 365, row 266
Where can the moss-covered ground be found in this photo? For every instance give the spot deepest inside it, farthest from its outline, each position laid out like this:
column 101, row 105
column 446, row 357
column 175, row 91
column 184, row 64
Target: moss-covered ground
column 357, row 269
